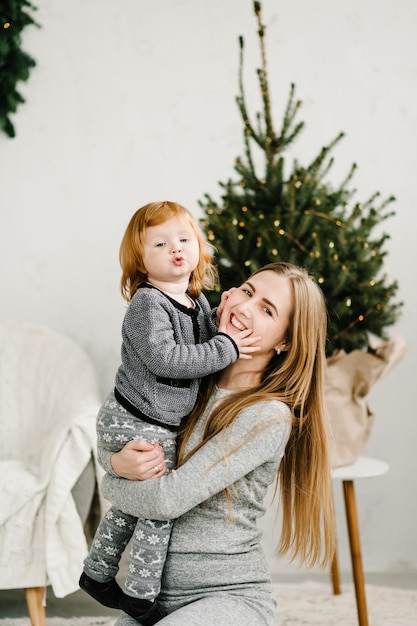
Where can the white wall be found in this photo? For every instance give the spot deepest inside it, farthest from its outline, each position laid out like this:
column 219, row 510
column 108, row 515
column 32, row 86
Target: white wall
column 133, row 101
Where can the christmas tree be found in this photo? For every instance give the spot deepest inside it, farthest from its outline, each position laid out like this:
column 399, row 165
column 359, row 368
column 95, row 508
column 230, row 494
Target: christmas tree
column 298, row 217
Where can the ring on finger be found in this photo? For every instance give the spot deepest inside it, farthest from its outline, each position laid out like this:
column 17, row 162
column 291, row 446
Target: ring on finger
column 156, row 469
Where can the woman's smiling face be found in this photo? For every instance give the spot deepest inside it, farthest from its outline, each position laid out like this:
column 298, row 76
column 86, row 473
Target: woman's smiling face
column 263, row 304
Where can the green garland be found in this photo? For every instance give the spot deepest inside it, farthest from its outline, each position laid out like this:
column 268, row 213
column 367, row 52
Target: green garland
column 15, row 64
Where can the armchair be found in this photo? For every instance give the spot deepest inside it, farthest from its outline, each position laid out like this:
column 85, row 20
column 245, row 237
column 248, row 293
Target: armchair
column 49, row 399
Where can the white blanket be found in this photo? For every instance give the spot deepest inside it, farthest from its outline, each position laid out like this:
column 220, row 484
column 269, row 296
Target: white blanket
column 41, row 533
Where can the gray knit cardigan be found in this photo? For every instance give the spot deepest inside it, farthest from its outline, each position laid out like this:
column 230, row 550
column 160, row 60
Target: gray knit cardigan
column 167, row 348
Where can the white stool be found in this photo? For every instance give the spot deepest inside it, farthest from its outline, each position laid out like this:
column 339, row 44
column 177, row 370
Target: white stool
column 364, row 467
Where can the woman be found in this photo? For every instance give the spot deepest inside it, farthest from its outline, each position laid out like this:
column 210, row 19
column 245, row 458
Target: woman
column 255, row 421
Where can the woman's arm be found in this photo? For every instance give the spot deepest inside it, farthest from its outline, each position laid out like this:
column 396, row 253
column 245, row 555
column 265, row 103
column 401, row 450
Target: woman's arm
column 260, row 434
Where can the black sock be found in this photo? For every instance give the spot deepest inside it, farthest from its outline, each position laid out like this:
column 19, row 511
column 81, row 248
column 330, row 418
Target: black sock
column 107, row 593
column 144, row 611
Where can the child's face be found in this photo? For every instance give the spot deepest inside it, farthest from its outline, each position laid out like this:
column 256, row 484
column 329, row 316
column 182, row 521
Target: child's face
column 171, row 251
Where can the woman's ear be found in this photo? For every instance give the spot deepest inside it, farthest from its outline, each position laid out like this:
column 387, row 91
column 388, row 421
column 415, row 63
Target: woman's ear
column 283, row 346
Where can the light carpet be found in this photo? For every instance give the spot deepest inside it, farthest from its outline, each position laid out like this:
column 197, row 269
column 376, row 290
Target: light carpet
column 308, row 603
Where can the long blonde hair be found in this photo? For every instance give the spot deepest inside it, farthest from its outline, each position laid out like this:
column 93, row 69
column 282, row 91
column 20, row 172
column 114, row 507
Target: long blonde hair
column 131, row 249
column 295, row 377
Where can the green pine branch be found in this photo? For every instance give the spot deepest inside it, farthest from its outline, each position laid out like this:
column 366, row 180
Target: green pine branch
column 15, row 63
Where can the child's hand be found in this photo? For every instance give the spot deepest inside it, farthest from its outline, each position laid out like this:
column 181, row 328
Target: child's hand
column 223, row 299
column 245, row 342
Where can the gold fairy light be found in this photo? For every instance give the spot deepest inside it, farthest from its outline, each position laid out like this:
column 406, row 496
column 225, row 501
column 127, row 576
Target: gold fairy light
column 210, row 235
column 317, row 202
column 242, row 224
column 274, row 251
column 240, row 237
column 348, row 302
column 277, row 223
column 298, row 184
column 361, row 318
column 331, row 244
column 234, row 222
column 244, row 209
column 247, row 263
column 6, row 25
column 372, row 283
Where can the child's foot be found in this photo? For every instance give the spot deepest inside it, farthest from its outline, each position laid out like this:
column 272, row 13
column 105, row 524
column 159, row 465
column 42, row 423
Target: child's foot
column 144, row 611
column 108, row 593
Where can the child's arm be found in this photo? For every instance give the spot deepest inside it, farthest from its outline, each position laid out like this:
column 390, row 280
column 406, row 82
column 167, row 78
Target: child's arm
column 148, row 330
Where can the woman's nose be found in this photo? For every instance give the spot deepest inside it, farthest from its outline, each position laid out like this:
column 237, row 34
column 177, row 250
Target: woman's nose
column 244, row 309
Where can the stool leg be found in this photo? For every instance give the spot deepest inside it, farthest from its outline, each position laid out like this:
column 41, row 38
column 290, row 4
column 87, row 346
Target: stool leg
column 355, row 551
column 34, row 601
column 335, row 572
column 337, row 590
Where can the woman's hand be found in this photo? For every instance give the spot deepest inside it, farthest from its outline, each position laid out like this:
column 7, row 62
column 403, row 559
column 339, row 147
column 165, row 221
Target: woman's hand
column 139, row 460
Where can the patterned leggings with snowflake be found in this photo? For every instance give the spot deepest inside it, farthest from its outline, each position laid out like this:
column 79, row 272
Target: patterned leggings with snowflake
column 150, row 538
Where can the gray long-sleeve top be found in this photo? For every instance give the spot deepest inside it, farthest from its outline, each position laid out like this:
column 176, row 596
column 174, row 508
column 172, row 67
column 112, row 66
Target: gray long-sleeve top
column 167, row 348
column 194, row 493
